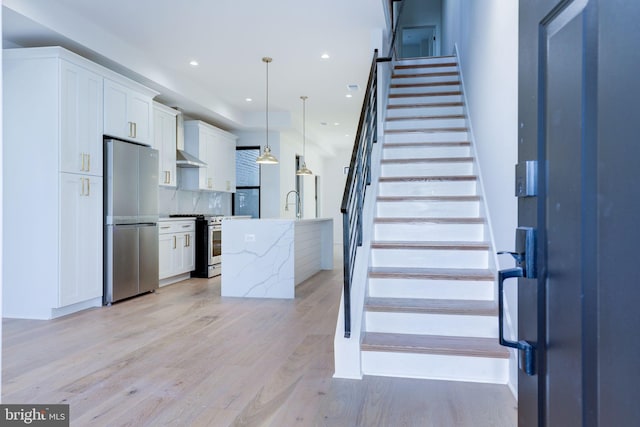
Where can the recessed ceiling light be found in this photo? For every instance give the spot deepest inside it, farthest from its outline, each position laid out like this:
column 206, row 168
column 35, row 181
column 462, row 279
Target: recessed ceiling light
column 349, row 95
column 194, row 63
column 336, row 124
column 248, row 99
column 353, row 87
column 325, row 56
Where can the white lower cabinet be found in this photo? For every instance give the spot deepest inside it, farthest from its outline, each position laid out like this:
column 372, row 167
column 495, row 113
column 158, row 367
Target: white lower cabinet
column 81, row 238
column 176, row 250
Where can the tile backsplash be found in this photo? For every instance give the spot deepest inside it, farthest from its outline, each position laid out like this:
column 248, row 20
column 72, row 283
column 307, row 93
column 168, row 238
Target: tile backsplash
column 177, row 201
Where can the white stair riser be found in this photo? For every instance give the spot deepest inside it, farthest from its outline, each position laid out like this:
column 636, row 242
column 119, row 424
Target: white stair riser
column 427, row 169
column 424, row 99
column 430, row 232
column 428, row 188
column 423, row 111
column 436, row 367
column 450, row 325
column 427, row 137
column 431, row 289
column 424, row 79
column 391, row 152
column 429, row 258
column 435, row 209
column 425, row 124
column 429, row 60
column 424, row 89
column 425, row 70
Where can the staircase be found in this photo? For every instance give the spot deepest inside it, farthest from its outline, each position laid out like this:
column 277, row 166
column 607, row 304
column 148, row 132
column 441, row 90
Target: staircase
column 430, row 309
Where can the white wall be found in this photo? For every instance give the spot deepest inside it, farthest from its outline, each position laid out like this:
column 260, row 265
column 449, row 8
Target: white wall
column 486, row 36
column 333, row 184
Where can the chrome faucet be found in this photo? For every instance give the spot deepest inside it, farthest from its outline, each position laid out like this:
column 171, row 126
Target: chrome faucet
column 297, row 202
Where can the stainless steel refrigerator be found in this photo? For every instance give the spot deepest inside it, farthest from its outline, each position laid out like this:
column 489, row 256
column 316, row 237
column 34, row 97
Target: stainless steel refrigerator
column 131, row 220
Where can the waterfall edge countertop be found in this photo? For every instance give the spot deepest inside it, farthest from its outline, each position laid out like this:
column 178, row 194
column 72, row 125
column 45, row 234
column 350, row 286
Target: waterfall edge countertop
column 267, row 258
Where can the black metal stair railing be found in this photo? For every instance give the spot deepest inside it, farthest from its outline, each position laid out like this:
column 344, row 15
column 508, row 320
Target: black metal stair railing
column 358, row 179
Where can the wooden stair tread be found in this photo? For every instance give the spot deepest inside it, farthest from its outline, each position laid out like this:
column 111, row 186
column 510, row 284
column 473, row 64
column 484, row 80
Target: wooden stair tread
column 428, row 198
column 421, row 94
column 417, row 75
column 428, row 130
column 426, row 144
column 432, row 306
column 434, row 344
column 428, row 160
column 425, row 84
column 437, row 245
column 469, row 274
column 430, row 220
column 428, row 178
column 426, row 105
column 434, row 65
column 443, row 117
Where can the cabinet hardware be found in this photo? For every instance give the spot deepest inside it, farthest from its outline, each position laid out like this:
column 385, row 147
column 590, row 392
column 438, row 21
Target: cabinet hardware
column 165, row 227
column 169, row 180
column 88, row 162
column 186, row 226
column 88, row 187
column 82, row 167
column 174, row 242
column 209, row 183
column 186, row 240
column 131, row 130
column 135, row 130
column 82, row 181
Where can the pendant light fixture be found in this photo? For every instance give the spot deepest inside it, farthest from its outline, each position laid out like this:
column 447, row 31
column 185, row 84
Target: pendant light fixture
column 266, row 158
column 304, row 170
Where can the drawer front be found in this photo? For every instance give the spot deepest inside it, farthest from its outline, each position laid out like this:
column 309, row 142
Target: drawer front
column 169, row 227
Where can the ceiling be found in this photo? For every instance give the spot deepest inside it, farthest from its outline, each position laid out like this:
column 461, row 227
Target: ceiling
column 153, row 41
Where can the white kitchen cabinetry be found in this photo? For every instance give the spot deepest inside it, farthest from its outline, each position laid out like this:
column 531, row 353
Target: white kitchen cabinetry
column 217, row 149
column 177, row 240
column 53, row 167
column 128, row 111
column 81, row 124
column 164, row 136
column 81, row 238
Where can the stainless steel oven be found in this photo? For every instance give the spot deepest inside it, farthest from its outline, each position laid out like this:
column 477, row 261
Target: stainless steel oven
column 215, row 246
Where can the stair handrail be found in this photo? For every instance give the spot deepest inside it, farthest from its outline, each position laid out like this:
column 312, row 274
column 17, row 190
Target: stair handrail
column 358, row 178
column 359, row 174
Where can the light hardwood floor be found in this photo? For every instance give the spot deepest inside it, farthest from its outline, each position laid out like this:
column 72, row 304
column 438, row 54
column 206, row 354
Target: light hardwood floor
column 185, row 356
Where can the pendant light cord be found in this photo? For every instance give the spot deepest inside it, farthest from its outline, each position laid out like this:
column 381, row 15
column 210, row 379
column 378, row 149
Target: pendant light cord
column 267, row 106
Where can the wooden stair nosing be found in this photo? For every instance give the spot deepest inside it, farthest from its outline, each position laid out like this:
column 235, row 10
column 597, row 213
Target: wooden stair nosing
column 418, row 75
column 443, row 117
column 428, row 220
column 428, row 160
column 433, row 178
column 426, row 84
column 432, row 306
column 426, row 144
column 425, row 105
column 450, row 274
column 434, row 65
column 431, row 245
column 428, row 198
column 433, row 344
column 427, row 130
column 424, row 94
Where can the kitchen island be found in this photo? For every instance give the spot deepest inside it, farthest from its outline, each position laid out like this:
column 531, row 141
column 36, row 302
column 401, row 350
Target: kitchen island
column 267, row 258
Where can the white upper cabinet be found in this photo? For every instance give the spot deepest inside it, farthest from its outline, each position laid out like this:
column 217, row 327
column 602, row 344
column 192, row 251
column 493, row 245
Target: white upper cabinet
column 80, row 120
column 164, row 136
column 128, row 111
column 217, row 149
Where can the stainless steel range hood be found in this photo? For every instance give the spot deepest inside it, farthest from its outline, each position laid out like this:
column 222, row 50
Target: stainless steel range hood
column 184, row 159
